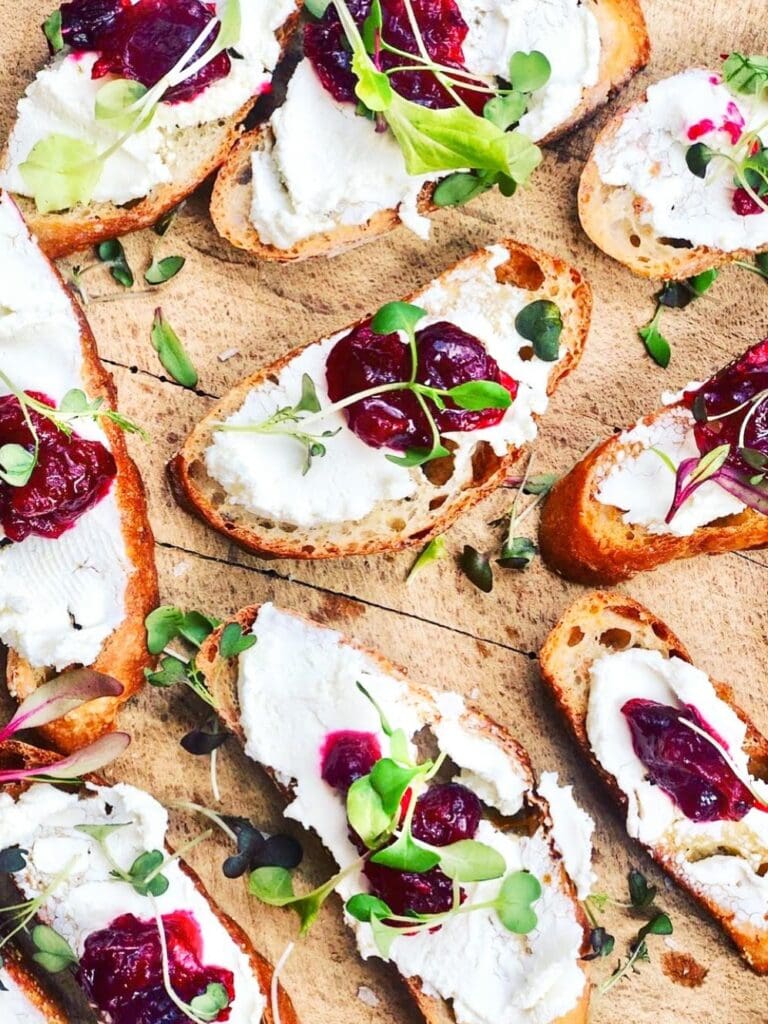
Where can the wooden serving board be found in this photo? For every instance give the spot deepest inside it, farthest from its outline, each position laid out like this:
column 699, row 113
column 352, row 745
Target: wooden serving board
column 442, row 629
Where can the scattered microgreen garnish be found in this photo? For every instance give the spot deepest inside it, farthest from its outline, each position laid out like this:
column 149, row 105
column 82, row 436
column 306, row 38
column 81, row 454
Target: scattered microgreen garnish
column 160, row 271
column 61, row 171
column 672, row 295
column 518, row 552
column 540, row 323
column 660, row 924
column 12, row 859
column 759, row 267
column 52, row 31
column 171, row 352
column 432, row 552
column 476, row 568
column 54, row 953
column 112, row 254
column 17, row 462
column 18, row 917
column 291, row 421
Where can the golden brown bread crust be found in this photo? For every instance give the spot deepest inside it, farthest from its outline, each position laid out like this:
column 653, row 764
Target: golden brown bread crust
column 33, row 990
column 625, row 51
column 588, row 542
column 526, row 268
column 221, row 678
column 610, row 216
column 20, row 755
column 124, row 654
column 71, row 230
column 594, row 625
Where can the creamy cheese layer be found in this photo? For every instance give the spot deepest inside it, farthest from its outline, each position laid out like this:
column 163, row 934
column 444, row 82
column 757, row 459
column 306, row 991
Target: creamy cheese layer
column 652, row 816
column 297, row 685
column 328, row 167
column 573, row 829
column 15, row 1008
column 43, row 821
column 59, row 599
column 61, row 100
column 647, row 155
column 264, row 473
column 643, row 485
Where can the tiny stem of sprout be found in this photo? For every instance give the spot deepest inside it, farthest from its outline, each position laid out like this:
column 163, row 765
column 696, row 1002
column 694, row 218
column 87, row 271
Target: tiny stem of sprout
column 24, row 912
column 172, row 994
column 214, row 776
column 752, row 268
column 178, row 854
column 757, row 402
column 185, row 805
column 637, row 951
column 442, row 78
column 274, row 988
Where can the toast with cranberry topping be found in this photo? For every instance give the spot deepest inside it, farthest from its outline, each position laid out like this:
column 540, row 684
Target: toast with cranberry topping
column 49, row 998
column 124, row 654
column 602, row 623
column 588, row 541
column 199, row 152
column 392, row 524
column 221, row 678
column 625, row 51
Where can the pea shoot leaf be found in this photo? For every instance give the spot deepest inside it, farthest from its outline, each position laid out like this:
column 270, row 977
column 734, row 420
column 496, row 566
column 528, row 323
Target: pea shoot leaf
column 406, row 855
column 54, row 953
column 171, row 352
column 505, row 110
column 640, row 893
column 518, row 892
column 397, row 316
column 52, row 31
column 470, row 861
column 480, row 394
column 698, row 158
column 160, row 271
column 365, row 906
column 365, row 811
column 163, row 625
column 234, row 641
column 170, row 672
column 529, row 71
column 390, row 779
column 656, row 344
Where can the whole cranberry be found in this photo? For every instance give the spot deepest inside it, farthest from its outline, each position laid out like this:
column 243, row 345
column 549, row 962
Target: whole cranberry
column 347, row 756
column 427, row 892
column 744, row 204
column 87, row 24
column 446, row 814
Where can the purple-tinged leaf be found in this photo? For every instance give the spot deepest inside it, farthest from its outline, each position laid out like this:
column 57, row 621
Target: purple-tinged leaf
column 738, row 485
column 57, row 698
column 90, row 759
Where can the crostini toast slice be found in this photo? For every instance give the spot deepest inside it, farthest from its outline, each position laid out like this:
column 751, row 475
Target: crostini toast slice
column 392, row 524
column 599, row 625
column 625, row 51
column 221, row 676
column 15, row 755
column 124, row 654
column 200, row 151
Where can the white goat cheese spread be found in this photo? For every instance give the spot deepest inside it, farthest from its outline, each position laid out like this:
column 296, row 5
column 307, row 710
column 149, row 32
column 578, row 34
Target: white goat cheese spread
column 327, row 167
column 643, row 485
column 296, row 686
column 647, row 155
column 86, row 899
column 15, row 1008
column 264, row 473
column 573, row 829
column 59, row 598
column 61, row 100
column 653, row 817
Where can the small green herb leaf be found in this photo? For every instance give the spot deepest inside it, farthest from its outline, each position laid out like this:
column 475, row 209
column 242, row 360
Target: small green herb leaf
column 518, row 892
column 163, row 625
column 397, row 316
column 171, row 352
column 16, row 464
column 470, row 861
column 658, row 925
column 195, row 627
column 100, row 833
column 272, row 885
column 457, row 189
column 54, row 952
column 476, row 568
column 372, row 88
column 744, row 74
column 406, row 855
column 61, row 172
column 163, row 270
column 419, row 456
column 390, row 779
column 234, row 641
column 316, row 8
column 698, row 158
column 52, row 31
column 117, row 102
column 209, row 1004
column 480, row 394
column 170, row 672
column 529, row 71
column 372, row 26
column 656, row 344
column 517, row 553
column 365, row 811
column 504, row 111
column 145, row 876
column 702, row 282
column 540, row 323
column 433, row 552
column 309, row 402
column 112, row 252
column 542, row 483
column 364, row 907
column 640, row 893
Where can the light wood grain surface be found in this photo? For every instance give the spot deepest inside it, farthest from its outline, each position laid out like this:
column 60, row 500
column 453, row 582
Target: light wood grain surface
column 444, row 631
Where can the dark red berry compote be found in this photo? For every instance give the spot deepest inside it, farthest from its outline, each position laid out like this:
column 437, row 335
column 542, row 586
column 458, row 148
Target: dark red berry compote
column 121, row 970
column 685, row 764
column 143, row 41
column 71, row 476
column 347, row 756
column 442, row 28
column 447, row 356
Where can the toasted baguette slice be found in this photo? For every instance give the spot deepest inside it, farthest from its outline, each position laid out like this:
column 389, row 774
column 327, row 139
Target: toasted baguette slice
column 625, row 51
column 38, row 990
column 610, row 215
column 123, row 655
column 392, row 524
column 588, row 541
column 201, row 150
column 601, row 623
column 221, row 677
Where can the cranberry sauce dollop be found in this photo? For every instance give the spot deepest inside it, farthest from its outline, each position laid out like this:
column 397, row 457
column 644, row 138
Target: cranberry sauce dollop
column 442, row 28
column 739, row 382
column 684, row 764
column 143, row 41
column 71, row 475
column 447, row 356
column 347, row 756
column 121, row 969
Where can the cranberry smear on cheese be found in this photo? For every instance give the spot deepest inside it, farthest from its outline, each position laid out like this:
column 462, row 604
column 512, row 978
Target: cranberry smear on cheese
column 72, row 474
column 447, row 356
column 121, row 969
column 684, row 764
column 143, row 41
column 442, row 28
column 347, row 756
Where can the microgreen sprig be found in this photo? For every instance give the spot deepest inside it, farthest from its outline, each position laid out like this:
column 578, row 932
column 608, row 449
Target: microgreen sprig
column 672, row 295
column 393, row 317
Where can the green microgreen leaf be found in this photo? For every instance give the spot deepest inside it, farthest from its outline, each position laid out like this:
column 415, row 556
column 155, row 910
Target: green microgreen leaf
column 364, row 907
column 540, row 484
column 601, row 943
column 397, row 316
column 195, row 627
column 117, row 102
column 640, row 893
column 390, row 779
column 406, row 855
column 540, row 323
column 505, row 110
column 517, row 553
column 373, row 87
column 754, row 458
column 709, row 464
column 746, row 74
column 16, row 464
column 702, row 282
column 656, row 344
column 101, row 832
column 480, row 394
column 61, row 172
column 419, row 456
column 698, row 158
column 365, row 812
column 471, row 861
column 229, row 14
column 112, row 253
column 476, row 568
column 160, row 271
column 163, row 625
column 529, row 71
column 372, row 26
column 12, row 859
column 144, row 874
column 458, row 188
column 161, row 226
column 54, row 953
column 316, row 8
column 234, row 641
column 433, row 552
column 170, row 672
column 518, row 892
column 209, row 1004
column 272, row 885
column 52, row 31
column 658, row 925
column 386, row 728
column 309, row 402
column 171, row 352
